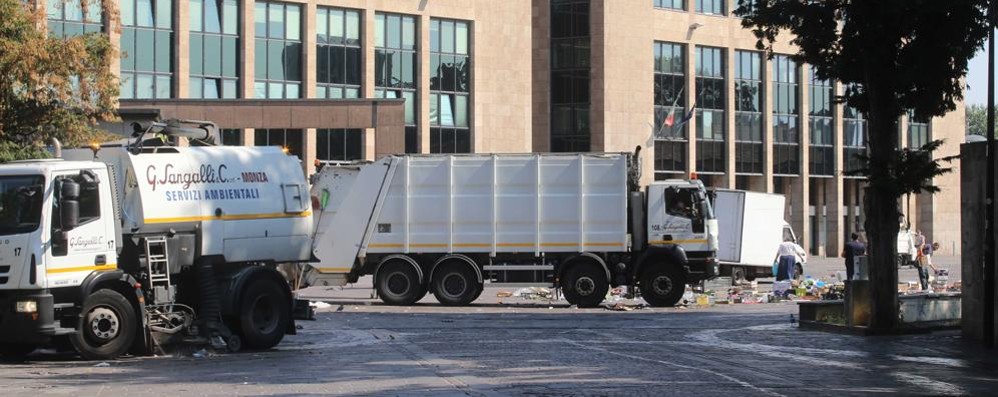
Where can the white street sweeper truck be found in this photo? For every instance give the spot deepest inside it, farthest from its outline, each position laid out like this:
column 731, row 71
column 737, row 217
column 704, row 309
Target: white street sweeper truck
column 447, row 224
column 105, row 247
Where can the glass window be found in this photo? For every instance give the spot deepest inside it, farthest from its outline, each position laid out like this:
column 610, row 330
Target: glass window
column 339, row 144
column 714, row 7
column 671, row 4
column 711, row 119
column 278, row 54
column 786, row 136
column 147, row 48
column 290, row 139
column 449, row 87
column 65, row 18
column 570, row 126
column 338, row 59
column 748, row 113
column 395, row 67
column 918, row 131
column 214, row 58
column 820, row 99
column 669, row 82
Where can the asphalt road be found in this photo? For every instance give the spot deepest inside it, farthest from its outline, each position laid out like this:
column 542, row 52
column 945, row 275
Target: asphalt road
column 519, row 347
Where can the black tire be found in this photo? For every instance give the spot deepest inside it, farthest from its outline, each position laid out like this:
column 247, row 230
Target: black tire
column 399, row 284
column 455, row 283
column 15, row 351
column 584, row 284
column 108, row 326
column 264, row 314
column 662, row 285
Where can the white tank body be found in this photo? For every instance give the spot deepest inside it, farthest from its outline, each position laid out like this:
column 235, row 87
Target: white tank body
column 246, row 203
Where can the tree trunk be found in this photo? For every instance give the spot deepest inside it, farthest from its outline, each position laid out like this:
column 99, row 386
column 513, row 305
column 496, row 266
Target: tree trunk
column 881, row 206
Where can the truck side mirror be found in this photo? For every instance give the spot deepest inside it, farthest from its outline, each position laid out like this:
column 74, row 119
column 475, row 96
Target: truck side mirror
column 69, row 205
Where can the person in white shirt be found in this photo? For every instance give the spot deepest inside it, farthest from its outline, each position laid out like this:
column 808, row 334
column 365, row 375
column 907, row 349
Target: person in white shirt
column 786, row 257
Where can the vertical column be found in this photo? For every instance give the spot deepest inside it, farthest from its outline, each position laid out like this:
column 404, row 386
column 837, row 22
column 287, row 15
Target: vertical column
column 767, row 125
column 181, row 48
column 308, row 41
column 861, row 200
column 249, row 135
column 801, row 186
column 835, row 234
column 850, row 198
column 247, row 60
column 908, row 202
column 367, row 83
column 819, row 217
column 308, row 150
column 729, row 139
column 691, row 89
column 423, row 93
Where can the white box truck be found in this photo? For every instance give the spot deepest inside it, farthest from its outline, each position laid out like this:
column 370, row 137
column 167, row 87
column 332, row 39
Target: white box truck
column 751, row 229
column 106, row 246
column 447, row 224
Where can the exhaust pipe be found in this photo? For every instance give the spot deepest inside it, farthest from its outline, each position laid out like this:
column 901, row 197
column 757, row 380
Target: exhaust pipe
column 56, row 147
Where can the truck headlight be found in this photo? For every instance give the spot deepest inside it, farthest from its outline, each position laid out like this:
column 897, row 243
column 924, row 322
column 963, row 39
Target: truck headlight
column 27, row 307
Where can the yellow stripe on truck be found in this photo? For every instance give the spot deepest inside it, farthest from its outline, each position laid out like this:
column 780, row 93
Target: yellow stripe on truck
column 694, row 241
column 231, row 217
column 486, row 245
column 96, row 268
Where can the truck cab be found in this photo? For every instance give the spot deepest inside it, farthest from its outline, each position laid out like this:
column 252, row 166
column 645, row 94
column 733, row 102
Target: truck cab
column 681, row 219
column 56, row 229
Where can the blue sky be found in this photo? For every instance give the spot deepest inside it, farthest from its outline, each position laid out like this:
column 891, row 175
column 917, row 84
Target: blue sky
column 977, row 80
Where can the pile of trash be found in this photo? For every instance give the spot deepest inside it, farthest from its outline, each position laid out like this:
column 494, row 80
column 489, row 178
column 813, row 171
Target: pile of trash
column 938, row 284
column 530, row 293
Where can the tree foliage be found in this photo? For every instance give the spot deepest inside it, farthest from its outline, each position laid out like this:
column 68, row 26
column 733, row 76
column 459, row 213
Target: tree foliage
column 977, row 120
column 49, row 86
column 894, row 56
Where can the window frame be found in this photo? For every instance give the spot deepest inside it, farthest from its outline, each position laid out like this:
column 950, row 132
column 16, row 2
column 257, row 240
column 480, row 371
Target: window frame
column 130, row 77
column 346, row 89
column 675, row 142
column 263, row 86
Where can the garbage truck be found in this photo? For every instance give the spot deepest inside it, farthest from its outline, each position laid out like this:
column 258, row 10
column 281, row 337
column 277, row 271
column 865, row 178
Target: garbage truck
column 106, row 246
column 447, row 224
column 751, row 230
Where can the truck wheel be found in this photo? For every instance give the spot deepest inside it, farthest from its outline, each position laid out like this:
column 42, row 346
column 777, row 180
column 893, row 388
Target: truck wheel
column 107, row 326
column 455, row 283
column 662, row 286
column 15, row 351
column 264, row 313
column 585, row 284
column 399, row 284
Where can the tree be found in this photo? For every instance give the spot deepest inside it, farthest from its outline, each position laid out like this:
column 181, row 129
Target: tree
column 977, row 120
column 895, row 55
column 49, row 86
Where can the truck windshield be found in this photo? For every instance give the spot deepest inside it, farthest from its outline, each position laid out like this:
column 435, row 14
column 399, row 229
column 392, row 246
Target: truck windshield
column 20, row 203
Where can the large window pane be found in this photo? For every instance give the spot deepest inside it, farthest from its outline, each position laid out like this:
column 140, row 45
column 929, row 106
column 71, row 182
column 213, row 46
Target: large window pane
column 164, row 14
column 379, row 30
column 230, row 17
column 144, row 14
column 353, row 28
column 275, row 60
column 408, row 33
column 462, row 38
column 394, row 31
column 212, row 63
column 276, row 20
column 164, row 47
column 144, row 47
column 195, row 14
column 260, row 19
column 212, row 19
column 230, row 57
column 196, row 54
column 322, row 25
column 293, row 23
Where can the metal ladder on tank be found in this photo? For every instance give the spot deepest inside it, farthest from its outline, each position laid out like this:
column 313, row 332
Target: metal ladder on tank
column 158, row 262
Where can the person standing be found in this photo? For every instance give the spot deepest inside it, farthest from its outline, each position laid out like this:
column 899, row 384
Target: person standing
column 786, row 257
column 925, row 264
column 852, row 249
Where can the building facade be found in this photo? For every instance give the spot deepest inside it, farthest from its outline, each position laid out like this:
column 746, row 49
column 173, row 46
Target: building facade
column 680, row 78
